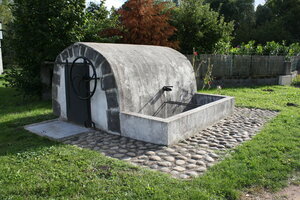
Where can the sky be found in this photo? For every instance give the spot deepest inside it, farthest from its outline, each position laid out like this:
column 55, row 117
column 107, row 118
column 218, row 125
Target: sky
column 118, row 3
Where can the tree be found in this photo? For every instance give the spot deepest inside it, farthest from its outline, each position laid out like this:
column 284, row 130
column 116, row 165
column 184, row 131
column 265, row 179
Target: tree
column 278, row 20
column 41, row 29
column 6, row 18
column 5, row 12
column 146, row 22
column 98, row 19
column 200, row 27
column 241, row 12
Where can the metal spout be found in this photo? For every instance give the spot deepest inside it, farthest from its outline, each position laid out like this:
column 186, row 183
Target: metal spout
column 167, row 88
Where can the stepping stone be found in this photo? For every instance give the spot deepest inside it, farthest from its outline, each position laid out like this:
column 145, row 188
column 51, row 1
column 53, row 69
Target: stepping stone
column 154, row 158
column 165, row 169
column 169, row 158
column 209, row 159
column 201, row 169
column 197, row 157
column 165, row 164
column 191, row 166
column 150, row 153
column 131, row 154
column 180, row 162
column 179, row 169
column 200, row 162
column 192, row 173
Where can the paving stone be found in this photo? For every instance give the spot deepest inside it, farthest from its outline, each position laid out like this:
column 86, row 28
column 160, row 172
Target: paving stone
column 123, row 151
column 169, row 158
column 161, row 154
column 118, row 155
column 213, row 155
column 150, row 153
column 197, row 157
column 169, row 150
column 155, row 158
column 154, row 166
column 179, row 169
column 180, row 162
column 174, row 172
column 165, row 169
column 189, row 158
column 201, row 152
column 190, row 166
column 209, row 159
column 184, row 176
column 131, row 154
column 200, row 162
column 192, row 173
column 165, row 164
column 192, row 161
column 180, row 157
column 201, row 169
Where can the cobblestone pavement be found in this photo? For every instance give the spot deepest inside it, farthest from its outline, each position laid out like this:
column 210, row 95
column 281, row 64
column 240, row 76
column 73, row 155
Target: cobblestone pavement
column 188, row 158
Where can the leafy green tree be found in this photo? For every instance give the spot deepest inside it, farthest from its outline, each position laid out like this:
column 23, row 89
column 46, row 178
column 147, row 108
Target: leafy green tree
column 99, row 19
column 278, row 20
column 200, row 27
column 41, row 29
column 5, row 12
column 239, row 11
column 6, row 18
column 263, row 15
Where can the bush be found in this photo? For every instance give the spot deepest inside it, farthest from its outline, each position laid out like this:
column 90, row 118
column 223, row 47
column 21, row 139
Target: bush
column 250, row 48
column 99, row 19
column 40, row 30
column 198, row 26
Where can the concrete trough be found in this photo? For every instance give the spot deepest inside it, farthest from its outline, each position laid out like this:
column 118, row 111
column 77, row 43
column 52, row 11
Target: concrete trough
column 139, row 91
column 206, row 110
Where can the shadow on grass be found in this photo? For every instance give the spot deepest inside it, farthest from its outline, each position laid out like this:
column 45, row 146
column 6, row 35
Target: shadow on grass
column 15, row 139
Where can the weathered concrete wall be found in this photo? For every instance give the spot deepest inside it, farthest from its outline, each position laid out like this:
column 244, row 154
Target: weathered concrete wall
column 141, row 71
column 132, row 78
column 187, row 124
column 170, row 130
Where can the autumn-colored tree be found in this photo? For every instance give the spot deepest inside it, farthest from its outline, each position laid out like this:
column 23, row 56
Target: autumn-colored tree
column 146, row 22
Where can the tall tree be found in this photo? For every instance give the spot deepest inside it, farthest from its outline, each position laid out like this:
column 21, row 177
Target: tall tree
column 98, row 19
column 241, row 12
column 146, row 22
column 41, row 29
column 200, row 27
column 278, row 20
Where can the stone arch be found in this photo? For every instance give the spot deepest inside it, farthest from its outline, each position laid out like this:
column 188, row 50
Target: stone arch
column 108, row 84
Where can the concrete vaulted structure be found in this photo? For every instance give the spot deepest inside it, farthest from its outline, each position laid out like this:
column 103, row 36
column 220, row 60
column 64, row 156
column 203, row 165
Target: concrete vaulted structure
column 132, row 96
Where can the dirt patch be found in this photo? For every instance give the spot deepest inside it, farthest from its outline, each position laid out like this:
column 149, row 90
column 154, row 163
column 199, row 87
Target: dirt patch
column 291, row 192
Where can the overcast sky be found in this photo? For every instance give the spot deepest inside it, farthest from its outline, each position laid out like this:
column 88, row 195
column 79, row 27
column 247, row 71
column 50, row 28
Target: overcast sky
column 118, row 3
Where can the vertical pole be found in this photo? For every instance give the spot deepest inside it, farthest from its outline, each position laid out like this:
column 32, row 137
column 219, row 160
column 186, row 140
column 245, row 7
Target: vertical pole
column 1, row 63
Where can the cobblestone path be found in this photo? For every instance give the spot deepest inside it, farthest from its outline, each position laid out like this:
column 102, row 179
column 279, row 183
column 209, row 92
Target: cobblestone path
column 188, row 158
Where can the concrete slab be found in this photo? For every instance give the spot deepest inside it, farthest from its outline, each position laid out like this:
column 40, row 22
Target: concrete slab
column 56, row 129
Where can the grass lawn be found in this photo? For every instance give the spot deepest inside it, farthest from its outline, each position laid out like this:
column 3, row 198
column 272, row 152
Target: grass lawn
column 32, row 167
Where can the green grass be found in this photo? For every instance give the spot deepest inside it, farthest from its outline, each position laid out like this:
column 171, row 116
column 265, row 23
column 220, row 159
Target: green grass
column 32, row 167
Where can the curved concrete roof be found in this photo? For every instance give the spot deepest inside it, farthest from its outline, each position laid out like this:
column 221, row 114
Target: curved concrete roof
column 141, row 71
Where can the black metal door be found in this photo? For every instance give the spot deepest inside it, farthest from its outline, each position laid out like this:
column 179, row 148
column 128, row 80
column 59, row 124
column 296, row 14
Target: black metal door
column 78, row 94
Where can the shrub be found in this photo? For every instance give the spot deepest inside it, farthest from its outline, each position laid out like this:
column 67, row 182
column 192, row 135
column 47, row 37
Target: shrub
column 41, row 29
column 250, row 48
column 198, row 26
